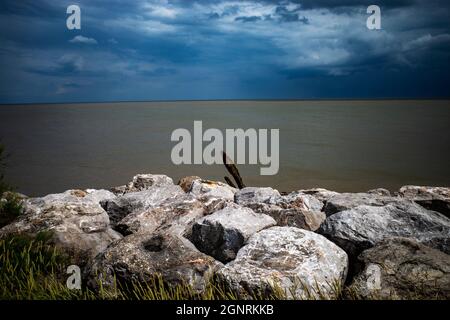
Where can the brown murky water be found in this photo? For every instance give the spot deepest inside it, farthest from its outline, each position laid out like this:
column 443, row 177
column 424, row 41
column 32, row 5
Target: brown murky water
column 340, row 145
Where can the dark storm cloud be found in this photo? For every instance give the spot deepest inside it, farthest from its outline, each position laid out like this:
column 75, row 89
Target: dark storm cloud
column 248, row 19
column 309, row 4
column 179, row 49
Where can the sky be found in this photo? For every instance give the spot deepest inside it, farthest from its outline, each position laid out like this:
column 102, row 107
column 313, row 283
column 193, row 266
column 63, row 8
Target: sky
column 200, row 50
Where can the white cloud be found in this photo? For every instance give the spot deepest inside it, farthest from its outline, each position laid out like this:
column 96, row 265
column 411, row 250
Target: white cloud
column 161, row 12
column 73, row 61
column 85, row 40
column 140, row 24
column 426, row 41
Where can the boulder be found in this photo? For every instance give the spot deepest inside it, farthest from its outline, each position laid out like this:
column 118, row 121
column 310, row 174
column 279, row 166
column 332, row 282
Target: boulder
column 294, row 209
column 143, row 182
column 300, row 263
column 297, row 200
column 401, row 268
column 294, row 217
column 186, row 182
column 224, row 232
column 139, row 258
column 98, row 196
column 346, row 201
column 214, row 194
column 319, row 193
column 432, row 198
column 380, row 192
column 362, row 227
column 182, row 210
column 207, row 190
column 119, row 207
column 78, row 224
column 251, row 195
column 308, row 220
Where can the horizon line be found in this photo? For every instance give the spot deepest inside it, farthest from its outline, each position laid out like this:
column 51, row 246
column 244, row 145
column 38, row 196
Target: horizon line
column 225, row 100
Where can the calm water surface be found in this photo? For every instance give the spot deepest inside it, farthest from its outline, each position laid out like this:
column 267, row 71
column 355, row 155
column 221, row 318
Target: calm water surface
column 339, row 145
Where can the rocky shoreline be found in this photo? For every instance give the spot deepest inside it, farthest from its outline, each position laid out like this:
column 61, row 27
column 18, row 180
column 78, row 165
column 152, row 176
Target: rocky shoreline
column 305, row 243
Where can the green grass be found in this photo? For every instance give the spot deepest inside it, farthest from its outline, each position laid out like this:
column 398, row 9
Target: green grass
column 10, row 208
column 32, row 269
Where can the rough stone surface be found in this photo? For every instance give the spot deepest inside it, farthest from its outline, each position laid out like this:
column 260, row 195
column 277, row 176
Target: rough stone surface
column 250, row 195
column 401, row 268
column 143, row 182
column 160, row 222
column 380, row 192
column 297, row 200
column 308, row 220
column 293, row 217
column 346, row 201
column 78, row 223
column 186, row 182
column 224, row 232
column 432, row 198
column 121, row 206
column 295, row 209
column 141, row 257
column 215, row 195
column 319, row 193
column 183, row 210
column 288, row 258
column 362, row 227
column 208, row 191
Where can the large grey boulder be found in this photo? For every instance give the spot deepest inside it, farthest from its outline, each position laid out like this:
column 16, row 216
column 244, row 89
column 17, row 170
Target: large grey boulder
column 183, row 210
column 186, row 182
column 224, row 232
column 153, row 196
column 346, row 201
column 78, row 224
column 297, row 200
column 432, row 198
column 208, row 190
column 214, row 194
column 319, row 193
column 142, row 182
column 401, row 268
column 250, row 195
column 380, row 192
column 300, row 263
column 291, row 217
column 139, row 258
column 295, row 209
column 362, row 227
column 72, row 196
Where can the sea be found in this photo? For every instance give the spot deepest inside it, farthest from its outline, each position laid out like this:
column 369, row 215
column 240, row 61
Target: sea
column 346, row 146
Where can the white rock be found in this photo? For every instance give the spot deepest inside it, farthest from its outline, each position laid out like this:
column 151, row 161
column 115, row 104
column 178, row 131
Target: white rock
column 121, row 206
column 224, row 232
column 79, row 225
column 301, row 263
column 250, row 195
column 362, row 227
